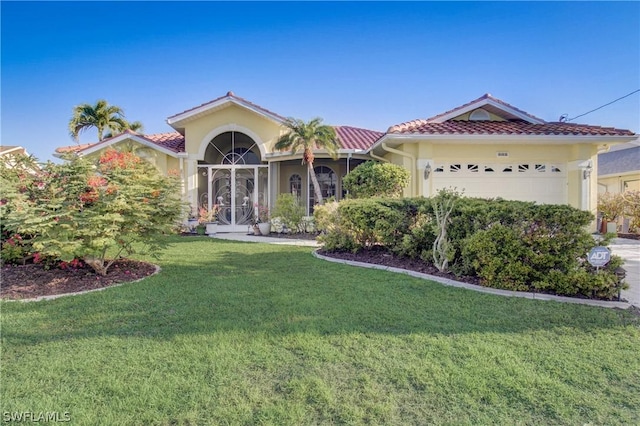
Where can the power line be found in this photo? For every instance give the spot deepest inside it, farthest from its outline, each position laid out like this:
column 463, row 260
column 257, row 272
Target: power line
column 600, row 107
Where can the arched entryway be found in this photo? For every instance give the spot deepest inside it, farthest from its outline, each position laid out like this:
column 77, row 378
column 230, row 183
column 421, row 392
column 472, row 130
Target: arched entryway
column 233, row 177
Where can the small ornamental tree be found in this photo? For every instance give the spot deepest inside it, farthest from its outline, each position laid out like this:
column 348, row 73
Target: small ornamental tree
column 17, row 173
column 82, row 210
column 371, row 179
column 631, row 206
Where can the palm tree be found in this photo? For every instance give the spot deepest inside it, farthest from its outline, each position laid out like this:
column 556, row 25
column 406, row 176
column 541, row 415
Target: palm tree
column 135, row 126
column 307, row 136
column 102, row 116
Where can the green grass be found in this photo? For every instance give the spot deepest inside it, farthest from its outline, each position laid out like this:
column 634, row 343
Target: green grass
column 233, row 333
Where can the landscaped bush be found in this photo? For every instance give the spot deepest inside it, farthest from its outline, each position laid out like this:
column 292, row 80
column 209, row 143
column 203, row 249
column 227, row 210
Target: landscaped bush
column 290, row 213
column 360, row 223
column 372, row 179
column 80, row 210
column 507, row 244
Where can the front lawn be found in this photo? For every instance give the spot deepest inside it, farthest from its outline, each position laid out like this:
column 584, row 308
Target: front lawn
column 239, row 333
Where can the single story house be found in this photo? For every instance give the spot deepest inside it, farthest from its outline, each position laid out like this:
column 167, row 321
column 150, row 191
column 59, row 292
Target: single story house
column 224, row 150
column 619, row 169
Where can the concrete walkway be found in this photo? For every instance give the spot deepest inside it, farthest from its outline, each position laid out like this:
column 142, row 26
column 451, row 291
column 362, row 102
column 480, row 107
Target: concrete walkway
column 629, row 250
column 238, row 236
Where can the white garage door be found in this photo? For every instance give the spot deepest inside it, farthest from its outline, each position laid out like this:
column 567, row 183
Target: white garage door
column 541, row 182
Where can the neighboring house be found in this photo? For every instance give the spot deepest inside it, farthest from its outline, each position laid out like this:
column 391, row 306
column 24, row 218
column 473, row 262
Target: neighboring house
column 619, row 169
column 224, row 149
column 12, row 150
column 8, row 154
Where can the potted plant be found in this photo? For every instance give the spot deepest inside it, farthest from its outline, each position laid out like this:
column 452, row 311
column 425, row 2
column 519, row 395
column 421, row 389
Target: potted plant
column 192, row 223
column 209, row 218
column 262, row 219
column 610, row 207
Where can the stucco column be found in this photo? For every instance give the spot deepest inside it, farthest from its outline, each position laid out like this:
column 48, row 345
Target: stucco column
column 274, row 182
column 425, row 176
column 192, row 181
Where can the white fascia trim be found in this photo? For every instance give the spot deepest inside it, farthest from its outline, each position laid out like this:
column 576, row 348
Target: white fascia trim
column 173, row 122
column 621, row 174
column 278, row 155
column 124, row 137
column 15, row 148
column 504, row 139
column 493, row 103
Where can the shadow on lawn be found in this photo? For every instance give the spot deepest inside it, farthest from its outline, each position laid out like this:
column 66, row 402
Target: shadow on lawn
column 227, row 286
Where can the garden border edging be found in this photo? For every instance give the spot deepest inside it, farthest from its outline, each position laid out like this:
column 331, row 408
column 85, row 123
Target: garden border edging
column 78, row 293
column 495, row 291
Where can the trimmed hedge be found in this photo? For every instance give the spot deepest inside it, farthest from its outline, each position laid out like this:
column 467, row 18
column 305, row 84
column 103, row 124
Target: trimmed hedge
column 511, row 245
column 373, row 179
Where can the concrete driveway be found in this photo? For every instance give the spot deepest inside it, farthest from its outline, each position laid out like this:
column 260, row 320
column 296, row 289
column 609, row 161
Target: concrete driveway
column 629, row 250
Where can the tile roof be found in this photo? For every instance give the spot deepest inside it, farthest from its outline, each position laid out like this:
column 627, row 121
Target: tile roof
column 622, row 161
column 514, row 127
column 173, row 141
column 74, row 148
column 356, row 138
column 230, row 95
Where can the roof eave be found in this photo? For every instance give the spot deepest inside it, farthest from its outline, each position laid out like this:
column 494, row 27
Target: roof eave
column 125, row 136
column 178, row 121
column 502, row 139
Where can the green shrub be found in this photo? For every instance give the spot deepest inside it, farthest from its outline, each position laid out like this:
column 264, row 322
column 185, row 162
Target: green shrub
column 358, row 224
column 372, row 179
column 507, row 244
column 499, row 258
column 291, row 212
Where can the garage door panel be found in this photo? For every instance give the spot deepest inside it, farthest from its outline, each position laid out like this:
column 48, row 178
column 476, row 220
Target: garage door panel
column 544, row 185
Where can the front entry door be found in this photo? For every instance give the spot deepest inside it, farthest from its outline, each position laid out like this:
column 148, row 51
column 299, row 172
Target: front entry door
column 237, row 190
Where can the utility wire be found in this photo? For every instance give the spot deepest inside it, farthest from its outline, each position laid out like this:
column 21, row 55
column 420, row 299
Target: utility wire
column 614, row 101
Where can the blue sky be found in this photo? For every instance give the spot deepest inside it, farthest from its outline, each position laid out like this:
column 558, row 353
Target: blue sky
column 369, row 65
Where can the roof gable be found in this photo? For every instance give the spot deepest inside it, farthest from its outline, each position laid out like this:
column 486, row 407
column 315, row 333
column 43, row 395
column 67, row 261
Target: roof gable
column 171, row 143
column 177, row 121
column 490, row 104
column 511, row 122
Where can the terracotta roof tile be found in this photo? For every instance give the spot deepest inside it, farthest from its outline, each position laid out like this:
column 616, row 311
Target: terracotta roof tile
column 73, row 148
column 356, row 138
column 172, row 141
column 515, row 127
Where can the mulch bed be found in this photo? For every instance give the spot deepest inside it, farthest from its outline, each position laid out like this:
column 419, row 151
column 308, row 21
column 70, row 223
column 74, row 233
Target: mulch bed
column 29, row 281
column 629, row 236
column 380, row 256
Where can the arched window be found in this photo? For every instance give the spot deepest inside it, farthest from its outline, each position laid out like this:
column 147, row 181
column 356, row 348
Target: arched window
column 327, row 180
column 295, row 185
column 479, row 115
column 232, row 148
column 240, row 156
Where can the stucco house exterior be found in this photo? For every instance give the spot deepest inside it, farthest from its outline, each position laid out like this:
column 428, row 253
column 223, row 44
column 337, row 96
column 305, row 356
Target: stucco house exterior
column 619, row 169
column 224, row 150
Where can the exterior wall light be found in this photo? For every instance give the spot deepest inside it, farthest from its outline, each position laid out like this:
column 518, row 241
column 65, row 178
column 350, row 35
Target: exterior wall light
column 587, row 171
column 427, row 171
